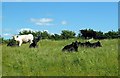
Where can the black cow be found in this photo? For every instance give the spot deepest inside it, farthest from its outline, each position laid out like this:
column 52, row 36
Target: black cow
column 88, row 44
column 12, row 43
column 34, row 44
column 37, row 38
column 71, row 47
column 96, row 44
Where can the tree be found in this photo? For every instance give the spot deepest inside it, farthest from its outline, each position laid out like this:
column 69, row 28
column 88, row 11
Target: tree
column 88, row 33
column 67, row 34
column 111, row 34
column 1, row 40
column 56, row 37
column 34, row 33
column 100, row 35
column 45, row 35
column 119, row 33
column 25, row 32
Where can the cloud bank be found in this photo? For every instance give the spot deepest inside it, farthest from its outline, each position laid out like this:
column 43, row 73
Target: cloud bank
column 42, row 21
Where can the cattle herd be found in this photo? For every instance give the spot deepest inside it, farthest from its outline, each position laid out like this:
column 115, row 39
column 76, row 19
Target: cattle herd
column 74, row 46
column 34, row 40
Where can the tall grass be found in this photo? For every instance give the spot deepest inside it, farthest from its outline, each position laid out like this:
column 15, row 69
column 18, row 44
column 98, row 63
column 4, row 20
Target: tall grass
column 49, row 60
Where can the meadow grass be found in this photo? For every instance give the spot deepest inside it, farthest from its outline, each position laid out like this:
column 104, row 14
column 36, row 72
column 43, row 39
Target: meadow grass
column 49, row 60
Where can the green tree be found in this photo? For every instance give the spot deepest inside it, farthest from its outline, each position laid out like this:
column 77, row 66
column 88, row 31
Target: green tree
column 56, row 37
column 45, row 35
column 25, row 32
column 87, row 33
column 111, row 34
column 67, row 34
column 1, row 40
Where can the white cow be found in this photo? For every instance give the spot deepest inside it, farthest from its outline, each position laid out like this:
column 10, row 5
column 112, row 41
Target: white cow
column 23, row 38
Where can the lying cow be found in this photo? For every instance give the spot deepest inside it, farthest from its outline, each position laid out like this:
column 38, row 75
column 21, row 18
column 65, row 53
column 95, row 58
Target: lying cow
column 96, row 44
column 34, row 44
column 88, row 44
column 71, row 47
column 23, row 38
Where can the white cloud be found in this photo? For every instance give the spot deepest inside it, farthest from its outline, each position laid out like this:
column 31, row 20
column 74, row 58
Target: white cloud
column 46, row 30
column 64, row 22
column 42, row 21
column 7, row 34
column 52, row 33
column 27, row 29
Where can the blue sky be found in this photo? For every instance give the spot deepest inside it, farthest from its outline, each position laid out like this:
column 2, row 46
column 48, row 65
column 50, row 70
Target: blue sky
column 60, row 0
column 57, row 16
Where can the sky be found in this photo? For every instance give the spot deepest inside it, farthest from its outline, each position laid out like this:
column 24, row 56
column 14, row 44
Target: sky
column 57, row 16
column 60, row 0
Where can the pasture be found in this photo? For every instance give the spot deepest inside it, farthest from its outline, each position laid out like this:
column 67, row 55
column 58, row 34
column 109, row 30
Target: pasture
column 49, row 60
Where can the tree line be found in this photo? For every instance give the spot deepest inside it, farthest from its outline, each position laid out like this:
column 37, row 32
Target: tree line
column 67, row 34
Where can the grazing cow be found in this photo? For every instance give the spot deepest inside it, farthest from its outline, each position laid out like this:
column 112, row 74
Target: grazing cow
column 71, row 47
column 12, row 43
column 34, row 44
column 23, row 38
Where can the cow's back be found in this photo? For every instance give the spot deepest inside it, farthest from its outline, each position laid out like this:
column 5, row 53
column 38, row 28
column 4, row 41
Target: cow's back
column 26, row 38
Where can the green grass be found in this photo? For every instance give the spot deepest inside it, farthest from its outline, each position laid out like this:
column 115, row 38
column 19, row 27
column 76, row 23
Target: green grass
column 49, row 60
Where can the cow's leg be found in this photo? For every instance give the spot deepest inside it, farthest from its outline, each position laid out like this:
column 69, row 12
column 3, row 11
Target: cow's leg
column 31, row 41
column 20, row 42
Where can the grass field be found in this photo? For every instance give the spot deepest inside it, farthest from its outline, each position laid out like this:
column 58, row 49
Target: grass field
column 49, row 60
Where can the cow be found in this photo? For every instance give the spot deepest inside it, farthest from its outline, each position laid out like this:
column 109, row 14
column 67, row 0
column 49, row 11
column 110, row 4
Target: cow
column 88, row 44
column 34, row 44
column 23, row 38
column 81, row 44
column 96, row 44
column 12, row 43
column 71, row 47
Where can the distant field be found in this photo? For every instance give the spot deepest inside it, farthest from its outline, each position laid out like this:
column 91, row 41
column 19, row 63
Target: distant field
column 49, row 60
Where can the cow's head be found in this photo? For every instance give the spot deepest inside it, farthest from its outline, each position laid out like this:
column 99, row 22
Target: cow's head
column 15, row 37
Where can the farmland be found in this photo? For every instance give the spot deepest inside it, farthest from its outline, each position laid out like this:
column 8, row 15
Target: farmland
column 49, row 60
